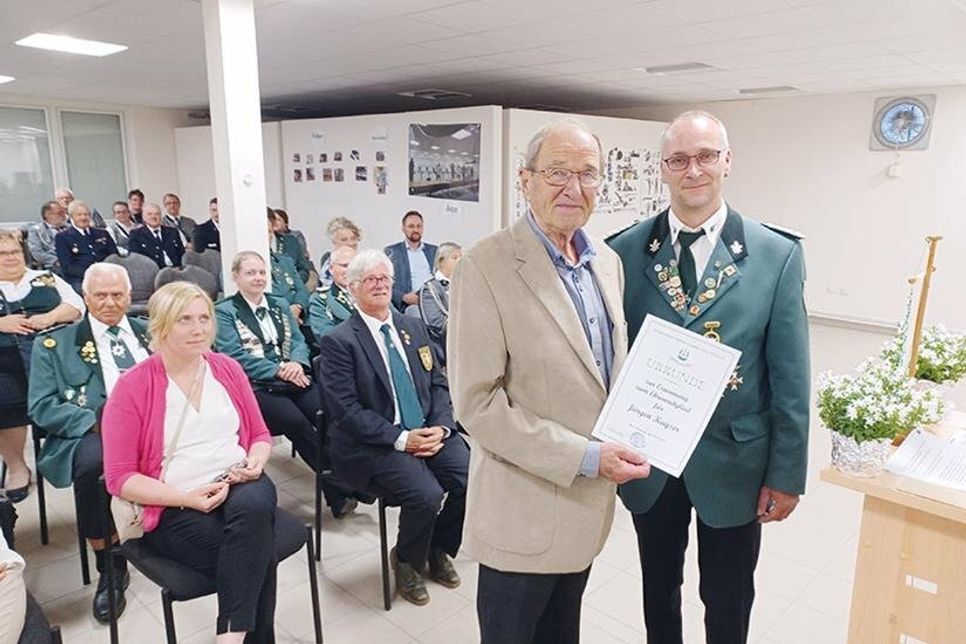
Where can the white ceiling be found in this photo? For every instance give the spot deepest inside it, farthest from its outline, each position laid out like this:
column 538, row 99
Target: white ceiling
column 354, row 56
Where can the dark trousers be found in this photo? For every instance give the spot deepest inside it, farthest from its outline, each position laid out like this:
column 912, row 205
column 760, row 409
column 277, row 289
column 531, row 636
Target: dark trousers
column 294, row 415
column 417, row 485
column 528, row 608
column 88, row 467
column 235, row 543
column 726, row 559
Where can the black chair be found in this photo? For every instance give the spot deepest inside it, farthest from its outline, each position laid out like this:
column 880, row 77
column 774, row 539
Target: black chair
column 180, row 583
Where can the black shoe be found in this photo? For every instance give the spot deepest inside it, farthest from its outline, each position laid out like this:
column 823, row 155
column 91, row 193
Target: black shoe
column 101, row 607
column 18, row 494
column 441, row 570
column 409, row 583
column 347, row 506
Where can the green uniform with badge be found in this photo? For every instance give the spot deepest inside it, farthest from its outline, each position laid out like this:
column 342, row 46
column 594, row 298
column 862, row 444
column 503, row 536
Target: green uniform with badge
column 67, row 393
column 329, row 307
column 288, row 244
column 750, row 297
column 286, row 282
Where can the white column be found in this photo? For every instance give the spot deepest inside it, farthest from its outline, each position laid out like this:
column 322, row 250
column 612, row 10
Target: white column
column 236, row 129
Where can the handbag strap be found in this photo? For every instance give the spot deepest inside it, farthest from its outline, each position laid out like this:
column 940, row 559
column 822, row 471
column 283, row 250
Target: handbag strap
column 169, row 451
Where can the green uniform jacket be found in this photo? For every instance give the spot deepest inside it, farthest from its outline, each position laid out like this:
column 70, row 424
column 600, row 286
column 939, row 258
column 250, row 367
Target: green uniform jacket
column 240, row 336
column 289, row 245
column 752, row 289
column 286, row 281
column 328, row 307
column 66, row 393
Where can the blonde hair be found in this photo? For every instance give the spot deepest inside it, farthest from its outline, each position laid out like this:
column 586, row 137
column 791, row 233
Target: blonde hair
column 168, row 303
column 337, row 224
column 241, row 257
column 11, row 234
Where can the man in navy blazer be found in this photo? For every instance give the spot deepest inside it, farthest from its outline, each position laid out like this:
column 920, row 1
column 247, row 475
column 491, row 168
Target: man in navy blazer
column 208, row 235
column 408, row 263
column 392, row 431
column 160, row 243
column 79, row 245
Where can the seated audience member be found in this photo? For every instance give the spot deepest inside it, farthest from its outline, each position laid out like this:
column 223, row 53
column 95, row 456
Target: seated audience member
column 41, row 235
column 207, row 235
column 79, row 245
column 286, row 244
column 135, row 202
column 282, row 227
column 65, row 198
column 330, row 306
column 13, row 594
column 183, row 438
column 433, row 304
column 72, row 372
column 412, row 260
column 174, row 218
column 341, row 231
column 392, row 426
column 122, row 227
column 258, row 330
column 160, row 243
column 31, row 301
column 285, row 279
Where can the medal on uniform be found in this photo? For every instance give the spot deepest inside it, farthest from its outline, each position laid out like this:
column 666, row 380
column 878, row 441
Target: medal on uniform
column 711, row 330
column 426, row 357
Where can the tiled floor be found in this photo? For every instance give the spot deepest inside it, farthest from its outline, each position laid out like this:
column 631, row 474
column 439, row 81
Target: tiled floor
column 804, row 576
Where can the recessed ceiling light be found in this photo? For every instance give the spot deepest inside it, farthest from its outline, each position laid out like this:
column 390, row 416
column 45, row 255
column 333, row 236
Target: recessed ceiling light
column 70, row 44
column 768, row 90
column 660, row 70
column 5, row 79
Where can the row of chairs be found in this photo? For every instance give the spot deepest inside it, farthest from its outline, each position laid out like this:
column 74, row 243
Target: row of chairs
column 203, row 269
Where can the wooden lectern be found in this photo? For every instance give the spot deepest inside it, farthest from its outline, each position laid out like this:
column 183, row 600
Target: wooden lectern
column 910, row 574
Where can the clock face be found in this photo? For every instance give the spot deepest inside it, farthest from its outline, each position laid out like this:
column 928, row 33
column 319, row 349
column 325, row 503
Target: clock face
column 902, row 122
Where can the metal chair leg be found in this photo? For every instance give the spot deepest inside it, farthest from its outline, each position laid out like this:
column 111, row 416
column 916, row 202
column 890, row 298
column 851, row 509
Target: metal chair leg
column 318, row 515
column 41, row 496
column 384, row 552
column 3, row 475
column 313, row 587
column 166, row 605
column 109, row 551
column 82, row 545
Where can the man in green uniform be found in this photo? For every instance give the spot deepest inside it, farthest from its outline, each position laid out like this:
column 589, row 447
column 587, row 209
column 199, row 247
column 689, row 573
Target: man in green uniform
column 330, row 306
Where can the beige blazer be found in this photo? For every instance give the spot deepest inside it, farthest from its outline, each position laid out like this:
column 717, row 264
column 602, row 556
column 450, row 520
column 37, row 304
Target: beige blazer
column 526, row 387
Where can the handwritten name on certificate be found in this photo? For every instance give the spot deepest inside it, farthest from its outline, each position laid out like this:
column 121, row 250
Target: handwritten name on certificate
column 666, row 393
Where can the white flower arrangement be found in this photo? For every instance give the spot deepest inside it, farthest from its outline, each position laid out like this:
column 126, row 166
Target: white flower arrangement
column 878, row 401
column 942, row 354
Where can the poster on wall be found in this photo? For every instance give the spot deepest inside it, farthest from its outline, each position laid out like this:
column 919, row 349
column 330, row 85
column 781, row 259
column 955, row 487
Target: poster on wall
column 444, row 161
column 380, row 176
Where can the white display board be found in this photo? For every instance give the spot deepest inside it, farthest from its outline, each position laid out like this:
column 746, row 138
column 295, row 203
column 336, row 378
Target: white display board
column 372, row 155
column 632, row 186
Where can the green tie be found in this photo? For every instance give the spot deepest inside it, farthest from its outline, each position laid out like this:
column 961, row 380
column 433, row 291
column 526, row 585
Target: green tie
column 686, row 267
column 410, row 411
column 122, row 356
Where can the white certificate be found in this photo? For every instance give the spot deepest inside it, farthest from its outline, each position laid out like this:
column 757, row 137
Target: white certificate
column 666, row 393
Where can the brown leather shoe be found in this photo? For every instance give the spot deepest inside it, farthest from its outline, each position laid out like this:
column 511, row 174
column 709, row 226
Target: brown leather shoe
column 409, row 584
column 441, row 569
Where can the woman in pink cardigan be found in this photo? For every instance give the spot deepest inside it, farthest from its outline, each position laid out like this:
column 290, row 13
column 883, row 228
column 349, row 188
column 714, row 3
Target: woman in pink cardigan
column 183, row 438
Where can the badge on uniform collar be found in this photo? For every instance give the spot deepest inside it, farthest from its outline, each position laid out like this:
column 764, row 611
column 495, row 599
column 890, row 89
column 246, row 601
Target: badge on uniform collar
column 426, row 357
column 736, row 247
column 655, row 245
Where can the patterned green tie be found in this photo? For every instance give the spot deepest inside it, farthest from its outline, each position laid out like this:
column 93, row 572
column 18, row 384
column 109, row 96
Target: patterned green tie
column 686, row 266
column 122, row 356
column 410, row 411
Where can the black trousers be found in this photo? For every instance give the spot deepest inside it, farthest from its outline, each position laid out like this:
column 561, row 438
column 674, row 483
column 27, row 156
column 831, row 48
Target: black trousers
column 527, row 608
column 726, row 559
column 293, row 415
column 417, row 486
column 235, row 543
column 88, row 467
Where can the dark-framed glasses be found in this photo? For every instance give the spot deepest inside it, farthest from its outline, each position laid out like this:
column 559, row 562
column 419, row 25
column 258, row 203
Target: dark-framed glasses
column 377, row 280
column 705, row 158
column 560, row 177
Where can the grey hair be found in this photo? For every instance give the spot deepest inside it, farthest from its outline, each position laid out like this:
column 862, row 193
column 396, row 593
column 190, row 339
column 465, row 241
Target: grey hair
column 445, row 251
column 364, row 262
column 76, row 205
column 103, row 268
column 342, row 223
column 152, row 205
column 536, row 142
column 64, row 189
column 693, row 115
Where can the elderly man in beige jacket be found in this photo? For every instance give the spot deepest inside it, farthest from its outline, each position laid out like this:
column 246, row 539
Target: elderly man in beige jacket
column 536, row 337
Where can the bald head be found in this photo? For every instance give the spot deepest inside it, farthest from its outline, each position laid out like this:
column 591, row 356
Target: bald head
column 152, row 215
column 566, row 126
column 696, row 119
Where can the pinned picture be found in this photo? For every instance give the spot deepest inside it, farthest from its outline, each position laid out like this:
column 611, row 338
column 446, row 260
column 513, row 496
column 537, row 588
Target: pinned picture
column 339, row 175
column 326, row 174
column 381, row 178
column 296, row 157
column 444, row 161
column 309, row 159
column 323, row 157
column 380, row 156
column 354, row 155
column 297, row 175
column 310, row 174
column 362, row 173
column 337, row 156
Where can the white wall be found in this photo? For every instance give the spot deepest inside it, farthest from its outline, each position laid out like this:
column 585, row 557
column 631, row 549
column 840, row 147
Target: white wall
column 805, row 163
column 196, row 167
column 312, row 204
column 519, row 126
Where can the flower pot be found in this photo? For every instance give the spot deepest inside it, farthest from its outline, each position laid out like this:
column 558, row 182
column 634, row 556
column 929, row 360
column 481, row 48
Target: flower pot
column 865, row 459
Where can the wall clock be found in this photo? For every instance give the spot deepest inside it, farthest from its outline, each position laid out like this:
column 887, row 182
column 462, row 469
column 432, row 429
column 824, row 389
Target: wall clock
column 902, row 123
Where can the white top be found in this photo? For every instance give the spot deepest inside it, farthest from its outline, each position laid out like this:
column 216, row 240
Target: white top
column 103, row 341
column 269, row 332
column 374, row 325
column 209, row 440
column 14, row 291
column 702, row 248
column 8, row 556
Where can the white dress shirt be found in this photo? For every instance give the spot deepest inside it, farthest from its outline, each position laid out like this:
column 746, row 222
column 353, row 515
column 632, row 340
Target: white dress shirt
column 374, row 325
column 102, row 338
column 702, row 248
column 14, row 291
